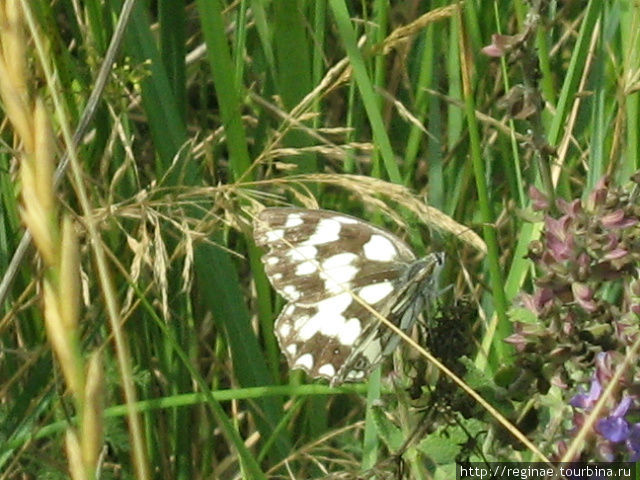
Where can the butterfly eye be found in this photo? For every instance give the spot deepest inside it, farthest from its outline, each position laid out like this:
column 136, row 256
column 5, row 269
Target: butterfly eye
column 360, row 363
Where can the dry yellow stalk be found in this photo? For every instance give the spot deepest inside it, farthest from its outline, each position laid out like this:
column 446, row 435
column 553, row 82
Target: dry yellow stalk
column 63, row 341
column 92, row 415
column 13, row 72
column 36, row 173
column 69, row 275
column 56, row 244
column 74, row 454
column 13, row 44
column 43, row 158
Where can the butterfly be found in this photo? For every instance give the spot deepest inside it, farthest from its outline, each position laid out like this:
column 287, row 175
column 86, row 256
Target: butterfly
column 326, row 265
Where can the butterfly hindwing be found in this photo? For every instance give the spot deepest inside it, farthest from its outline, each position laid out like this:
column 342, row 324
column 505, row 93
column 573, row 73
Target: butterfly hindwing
column 321, row 343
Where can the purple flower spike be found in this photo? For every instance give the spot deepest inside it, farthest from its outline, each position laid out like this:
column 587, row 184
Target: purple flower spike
column 605, row 363
column 518, row 340
column 622, row 408
column 559, row 248
column 557, row 227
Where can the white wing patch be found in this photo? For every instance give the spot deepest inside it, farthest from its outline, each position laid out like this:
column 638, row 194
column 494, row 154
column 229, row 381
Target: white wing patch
column 307, row 268
column 305, row 361
column 293, row 220
column 328, row 320
column 380, row 249
column 327, row 231
column 292, row 349
column 372, row 294
column 275, row 235
column 291, row 293
column 327, row 370
column 302, row 253
column 271, row 260
column 373, row 350
column 345, row 220
column 337, row 271
column 350, row 332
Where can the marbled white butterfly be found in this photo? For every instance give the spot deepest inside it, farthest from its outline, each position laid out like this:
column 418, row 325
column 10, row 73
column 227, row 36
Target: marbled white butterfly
column 318, row 261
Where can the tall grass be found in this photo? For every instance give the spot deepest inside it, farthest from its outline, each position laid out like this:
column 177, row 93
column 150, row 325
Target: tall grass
column 411, row 115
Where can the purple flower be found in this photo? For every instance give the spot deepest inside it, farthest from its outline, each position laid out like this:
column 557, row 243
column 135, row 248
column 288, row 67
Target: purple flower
column 614, row 427
column 560, row 250
column 525, row 334
column 560, row 242
column 605, row 363
column 599, row 193
column 539, row 200
column 557, row 227
column 500, row 44
column 571, row 209
column 583, row 295
column 615, row 254
column 616, row 219
column 583, row 263
column 538, row 301
column 587, row 400
column 612, row 241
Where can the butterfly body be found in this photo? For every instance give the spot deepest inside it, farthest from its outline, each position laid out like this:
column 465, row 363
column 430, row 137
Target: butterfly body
column 333, row 269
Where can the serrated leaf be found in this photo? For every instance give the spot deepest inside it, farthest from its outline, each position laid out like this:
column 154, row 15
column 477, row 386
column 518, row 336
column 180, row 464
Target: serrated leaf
column 444, row 445
column 441, row 449
column 390, row 434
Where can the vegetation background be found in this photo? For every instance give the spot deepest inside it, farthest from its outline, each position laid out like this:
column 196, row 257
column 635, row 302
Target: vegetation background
column 136, row 339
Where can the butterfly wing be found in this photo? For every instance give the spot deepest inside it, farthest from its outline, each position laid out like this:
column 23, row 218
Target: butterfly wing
column 318, row 260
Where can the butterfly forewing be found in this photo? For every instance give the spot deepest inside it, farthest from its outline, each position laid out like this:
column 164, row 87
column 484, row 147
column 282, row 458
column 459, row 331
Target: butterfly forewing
column 313, row 253
column 319, row 261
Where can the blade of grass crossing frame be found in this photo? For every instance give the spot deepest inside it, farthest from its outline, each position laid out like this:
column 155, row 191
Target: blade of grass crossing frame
column 165, row 122
column 264, row 32
column 171, row 14
column 348, row 37
column 600, row 121
column 228, row 299
column 573, row 75
column 292, row 48
column 493, row 257
column 217, row 274
column 228, row 95
column 629, row 19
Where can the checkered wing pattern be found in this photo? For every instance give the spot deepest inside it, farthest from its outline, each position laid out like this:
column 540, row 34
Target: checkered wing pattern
column 319, row 261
